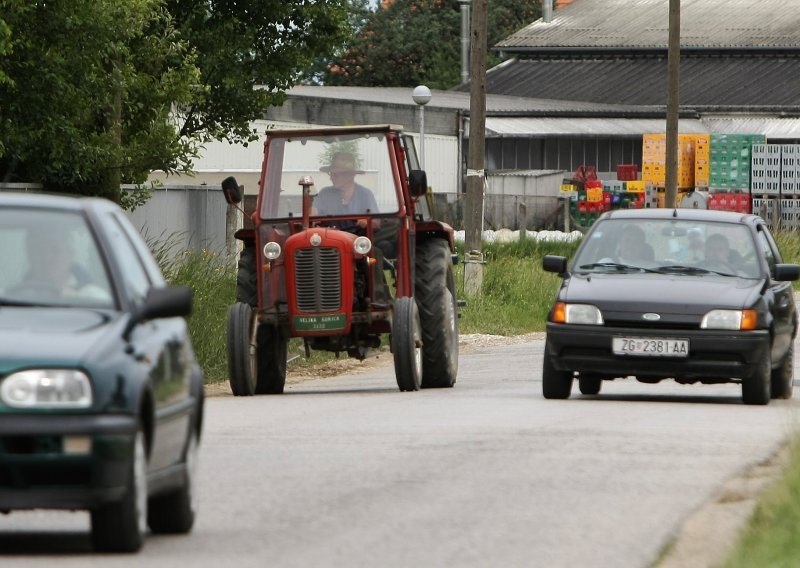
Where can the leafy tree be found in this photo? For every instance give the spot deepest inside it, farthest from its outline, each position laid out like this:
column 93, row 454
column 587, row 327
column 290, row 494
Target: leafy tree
column 411, row 42
column 92, row 87
column 100, row 92
column 249, row 52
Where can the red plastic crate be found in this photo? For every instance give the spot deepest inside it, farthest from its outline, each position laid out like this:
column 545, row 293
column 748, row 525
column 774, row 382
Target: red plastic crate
column 627, row 172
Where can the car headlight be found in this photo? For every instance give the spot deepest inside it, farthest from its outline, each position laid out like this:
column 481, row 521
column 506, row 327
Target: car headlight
column 585, row 314
column 47, row 388
column 730, row 319
column 272, row 250
column 362, row 245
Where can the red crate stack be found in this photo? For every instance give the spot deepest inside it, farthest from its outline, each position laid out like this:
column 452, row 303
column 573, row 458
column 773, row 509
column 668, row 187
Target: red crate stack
column 627, row 172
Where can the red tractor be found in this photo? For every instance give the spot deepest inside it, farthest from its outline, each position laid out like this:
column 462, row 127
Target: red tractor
column 344, row 249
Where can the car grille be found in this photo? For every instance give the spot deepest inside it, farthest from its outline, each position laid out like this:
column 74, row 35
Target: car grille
column 318, row 281
column 39, row 461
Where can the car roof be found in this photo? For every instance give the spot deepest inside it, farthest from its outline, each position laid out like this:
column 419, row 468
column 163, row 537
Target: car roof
column 53, row 201
column 684, row 214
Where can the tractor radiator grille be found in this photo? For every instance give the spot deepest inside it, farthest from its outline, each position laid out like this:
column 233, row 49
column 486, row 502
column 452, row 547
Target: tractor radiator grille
column 317, row 276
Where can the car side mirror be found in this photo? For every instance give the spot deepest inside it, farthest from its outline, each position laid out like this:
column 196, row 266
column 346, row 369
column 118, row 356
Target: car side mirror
column 232, row 190
column 417, row 182
column 553, row 263
column 163, row 302
column 786, row 272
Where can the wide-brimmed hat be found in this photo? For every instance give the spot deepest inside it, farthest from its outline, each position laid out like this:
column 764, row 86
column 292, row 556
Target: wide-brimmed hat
column 342, row 162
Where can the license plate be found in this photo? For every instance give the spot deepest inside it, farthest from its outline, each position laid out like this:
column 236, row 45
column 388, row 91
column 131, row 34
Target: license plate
column 650, row 346
column 328, row 322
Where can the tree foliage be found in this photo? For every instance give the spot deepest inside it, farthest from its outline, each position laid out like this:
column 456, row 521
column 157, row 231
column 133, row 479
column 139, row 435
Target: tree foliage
column 92, row 86
column 249, row 52
column 411, row 42
column 98, row 92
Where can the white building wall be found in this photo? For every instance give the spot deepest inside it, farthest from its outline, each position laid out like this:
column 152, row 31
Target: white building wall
column 221, row 159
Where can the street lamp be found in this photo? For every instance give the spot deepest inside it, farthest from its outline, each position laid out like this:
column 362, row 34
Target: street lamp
column 421, row 96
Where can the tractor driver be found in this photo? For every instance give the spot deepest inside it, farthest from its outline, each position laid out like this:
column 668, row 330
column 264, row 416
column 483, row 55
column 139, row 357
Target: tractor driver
column 345, row 196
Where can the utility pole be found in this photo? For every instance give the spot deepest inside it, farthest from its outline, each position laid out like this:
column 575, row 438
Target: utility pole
column 673, row 103
column 464, row 39
column 473, row 214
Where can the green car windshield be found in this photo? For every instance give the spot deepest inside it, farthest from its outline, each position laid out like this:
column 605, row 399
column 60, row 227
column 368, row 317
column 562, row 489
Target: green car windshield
column 50, row 258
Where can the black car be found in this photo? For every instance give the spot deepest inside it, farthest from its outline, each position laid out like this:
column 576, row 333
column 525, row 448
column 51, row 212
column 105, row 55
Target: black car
column 692, row 295
column 101, row 397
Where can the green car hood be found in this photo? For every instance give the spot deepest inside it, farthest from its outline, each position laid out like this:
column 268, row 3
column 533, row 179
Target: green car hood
column 53, row 337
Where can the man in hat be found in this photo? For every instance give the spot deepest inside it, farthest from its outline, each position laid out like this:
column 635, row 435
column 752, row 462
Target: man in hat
column 344, row 196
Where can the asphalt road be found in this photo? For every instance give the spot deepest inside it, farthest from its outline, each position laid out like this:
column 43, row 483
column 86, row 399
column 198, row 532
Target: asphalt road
column 349, row 472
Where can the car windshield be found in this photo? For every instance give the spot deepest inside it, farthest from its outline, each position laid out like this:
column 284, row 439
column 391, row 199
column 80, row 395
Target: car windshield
column 352, row 175
column 670, row 246
column 50, row 258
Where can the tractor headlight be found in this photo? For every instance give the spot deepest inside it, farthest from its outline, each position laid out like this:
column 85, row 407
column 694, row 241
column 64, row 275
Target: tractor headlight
column 362, row 245
column 47, row 388
column 730, row 319
column 272, row 250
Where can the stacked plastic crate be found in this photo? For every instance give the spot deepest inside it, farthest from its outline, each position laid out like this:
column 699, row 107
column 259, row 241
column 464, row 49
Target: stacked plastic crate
column 588, row 200
column 729, row 171
column 654, row 152
column 775, row 188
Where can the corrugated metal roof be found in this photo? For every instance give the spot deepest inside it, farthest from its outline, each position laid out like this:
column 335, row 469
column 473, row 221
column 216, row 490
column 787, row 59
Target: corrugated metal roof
column 528, row 127
column 772, row 127
column 643, row 24
column 705, row 81
column 456, row 100
column 523, row 127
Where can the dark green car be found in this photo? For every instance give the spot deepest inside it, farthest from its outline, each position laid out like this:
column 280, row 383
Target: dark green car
column 101, row 397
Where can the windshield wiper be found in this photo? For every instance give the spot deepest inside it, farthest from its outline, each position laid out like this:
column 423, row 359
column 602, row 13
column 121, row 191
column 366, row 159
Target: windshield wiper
column 616, row 266
column 681, row 269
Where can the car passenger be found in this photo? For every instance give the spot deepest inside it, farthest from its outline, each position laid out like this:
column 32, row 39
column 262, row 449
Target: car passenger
column 719, row 254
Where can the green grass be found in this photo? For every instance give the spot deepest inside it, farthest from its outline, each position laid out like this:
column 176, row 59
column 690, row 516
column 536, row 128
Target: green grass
column 516, row 293
column 772, row 536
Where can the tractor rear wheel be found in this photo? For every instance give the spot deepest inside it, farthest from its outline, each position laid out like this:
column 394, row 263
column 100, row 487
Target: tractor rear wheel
column 407, row 344
column 272, row 349
column 241, row 349
column 246, row 279
column 435, row 292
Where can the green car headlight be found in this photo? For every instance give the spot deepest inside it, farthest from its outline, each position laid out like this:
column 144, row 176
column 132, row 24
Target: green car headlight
column 47, row 388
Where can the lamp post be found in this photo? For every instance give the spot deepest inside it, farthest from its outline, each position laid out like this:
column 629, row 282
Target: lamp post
column 421, row 96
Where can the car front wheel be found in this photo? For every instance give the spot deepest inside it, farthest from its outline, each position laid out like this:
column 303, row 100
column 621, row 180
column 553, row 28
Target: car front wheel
column 174, row 512
column 121, row 526
column 756, row 388
column 555, row 383
column 783, row 377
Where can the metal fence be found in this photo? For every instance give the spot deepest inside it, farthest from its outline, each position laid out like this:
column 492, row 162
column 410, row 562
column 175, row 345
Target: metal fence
column 188, row 217
column 503, row 211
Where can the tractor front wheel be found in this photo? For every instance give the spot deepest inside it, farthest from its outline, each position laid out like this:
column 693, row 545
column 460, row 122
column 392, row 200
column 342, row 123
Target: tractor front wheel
column 241, row 349
column 407, row 344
